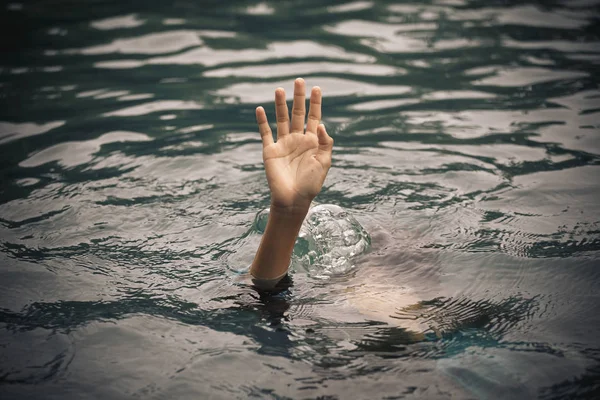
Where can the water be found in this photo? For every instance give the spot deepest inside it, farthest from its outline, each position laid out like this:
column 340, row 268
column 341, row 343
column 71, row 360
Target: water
column 467, row 147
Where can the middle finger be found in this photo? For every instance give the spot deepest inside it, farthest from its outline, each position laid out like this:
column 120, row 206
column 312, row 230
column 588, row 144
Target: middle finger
column 299, row 107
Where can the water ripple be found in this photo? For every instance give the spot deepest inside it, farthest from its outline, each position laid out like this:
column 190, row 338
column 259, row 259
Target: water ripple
column 466, row 146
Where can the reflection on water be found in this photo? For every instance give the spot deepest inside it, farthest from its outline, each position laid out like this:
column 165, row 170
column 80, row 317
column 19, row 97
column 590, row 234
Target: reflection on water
column 464, row 259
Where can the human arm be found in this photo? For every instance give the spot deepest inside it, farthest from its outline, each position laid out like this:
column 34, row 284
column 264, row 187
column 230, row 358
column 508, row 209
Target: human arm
column 296, row 166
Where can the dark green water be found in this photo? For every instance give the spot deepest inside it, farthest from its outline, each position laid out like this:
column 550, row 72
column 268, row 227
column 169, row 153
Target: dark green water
column 467, row 145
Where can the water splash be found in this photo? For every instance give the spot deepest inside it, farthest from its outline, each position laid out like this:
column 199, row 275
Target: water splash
column 328, row 242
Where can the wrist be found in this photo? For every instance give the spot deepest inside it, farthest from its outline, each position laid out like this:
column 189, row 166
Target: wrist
column 295, row 211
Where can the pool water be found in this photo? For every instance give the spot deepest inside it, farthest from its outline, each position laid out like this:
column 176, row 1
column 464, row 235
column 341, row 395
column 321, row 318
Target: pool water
column 467, row 146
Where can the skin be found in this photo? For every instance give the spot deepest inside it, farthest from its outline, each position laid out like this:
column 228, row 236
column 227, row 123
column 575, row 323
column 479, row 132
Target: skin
column 296, row 166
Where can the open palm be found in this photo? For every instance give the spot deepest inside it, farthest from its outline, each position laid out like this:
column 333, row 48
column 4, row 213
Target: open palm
column 297, row 163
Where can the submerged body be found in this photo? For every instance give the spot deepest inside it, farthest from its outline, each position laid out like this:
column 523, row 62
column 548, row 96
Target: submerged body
column 330, row 244
column 322, row 239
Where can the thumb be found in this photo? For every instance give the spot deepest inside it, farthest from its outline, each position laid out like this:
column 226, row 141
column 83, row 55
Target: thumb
column 325, row 146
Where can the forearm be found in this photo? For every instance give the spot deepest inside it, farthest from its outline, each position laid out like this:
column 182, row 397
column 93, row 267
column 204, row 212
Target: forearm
column 275, row 251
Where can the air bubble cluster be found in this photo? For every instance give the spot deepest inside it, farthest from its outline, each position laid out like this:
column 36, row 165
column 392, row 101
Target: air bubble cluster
column 328, row 242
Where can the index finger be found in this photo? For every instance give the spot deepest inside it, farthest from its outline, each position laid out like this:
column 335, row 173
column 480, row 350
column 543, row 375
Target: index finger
column 314, row 113
column 299, row 108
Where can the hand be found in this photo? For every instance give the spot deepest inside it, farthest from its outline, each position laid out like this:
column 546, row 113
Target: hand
column 297, row 163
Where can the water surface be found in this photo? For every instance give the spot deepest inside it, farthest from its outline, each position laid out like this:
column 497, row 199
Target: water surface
column 467, row 146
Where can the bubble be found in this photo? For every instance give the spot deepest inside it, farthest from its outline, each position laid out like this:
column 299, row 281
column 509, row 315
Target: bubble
column 260, row 221
column 329, row 239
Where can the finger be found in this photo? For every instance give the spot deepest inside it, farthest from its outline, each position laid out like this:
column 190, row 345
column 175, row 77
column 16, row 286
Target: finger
column 263, row 127
column 325, row 146
column 281, row 110
column 314, row 113
column 299, row 107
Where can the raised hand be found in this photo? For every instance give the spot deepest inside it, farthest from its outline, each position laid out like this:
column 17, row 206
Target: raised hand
column 297, row 163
